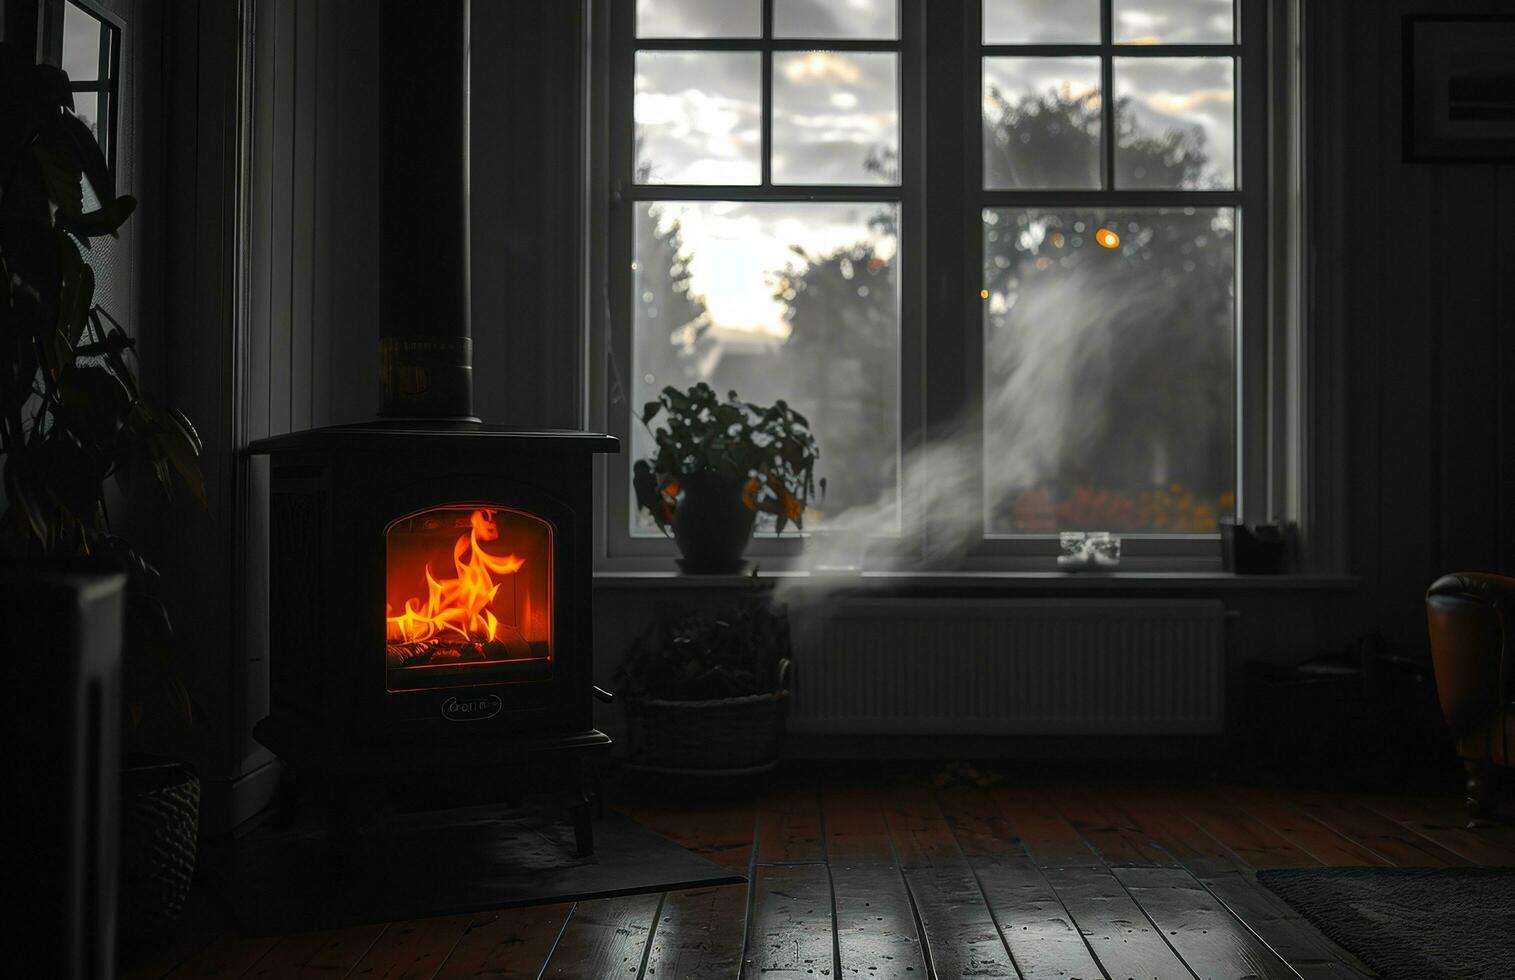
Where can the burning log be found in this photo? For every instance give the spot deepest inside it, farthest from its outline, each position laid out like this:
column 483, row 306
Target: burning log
column 508, row 645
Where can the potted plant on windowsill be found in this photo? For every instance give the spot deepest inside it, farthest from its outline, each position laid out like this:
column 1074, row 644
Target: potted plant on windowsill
column 718, row 465
column 707, row 693
column 72, row 418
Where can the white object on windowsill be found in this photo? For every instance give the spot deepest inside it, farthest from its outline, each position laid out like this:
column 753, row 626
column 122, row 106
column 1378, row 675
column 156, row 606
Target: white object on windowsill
column 1084, row 550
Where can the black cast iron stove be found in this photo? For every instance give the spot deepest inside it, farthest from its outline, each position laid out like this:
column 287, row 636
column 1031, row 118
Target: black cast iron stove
column 429, row 585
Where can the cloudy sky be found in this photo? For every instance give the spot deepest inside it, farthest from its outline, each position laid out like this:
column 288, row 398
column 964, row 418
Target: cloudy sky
column 735, row 247
column 698, row 116
column 873, row 19
column 698, row 121
column 1136, row 21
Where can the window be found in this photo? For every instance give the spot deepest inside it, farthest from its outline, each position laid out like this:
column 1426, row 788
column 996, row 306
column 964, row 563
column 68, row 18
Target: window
column 1111, row 203
column 772, row 221
column 91, row 56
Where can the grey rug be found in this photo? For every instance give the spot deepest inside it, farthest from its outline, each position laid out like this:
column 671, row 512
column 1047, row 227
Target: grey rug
column 1411, row 923
column 439, row 863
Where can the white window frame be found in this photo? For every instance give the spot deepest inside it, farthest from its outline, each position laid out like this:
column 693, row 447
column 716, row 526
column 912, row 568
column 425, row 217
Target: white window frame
column 941, row 374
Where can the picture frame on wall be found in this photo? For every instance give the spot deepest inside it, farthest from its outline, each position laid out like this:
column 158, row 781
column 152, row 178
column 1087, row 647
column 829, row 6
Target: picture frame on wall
column 1459, row 88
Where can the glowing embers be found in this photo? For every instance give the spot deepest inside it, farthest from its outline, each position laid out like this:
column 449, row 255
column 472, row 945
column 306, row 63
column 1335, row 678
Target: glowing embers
column 466, row 585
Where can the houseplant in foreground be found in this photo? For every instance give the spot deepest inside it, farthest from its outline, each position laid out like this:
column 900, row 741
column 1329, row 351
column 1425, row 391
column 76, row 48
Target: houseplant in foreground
column 706, row 692
column 72, row 418
column 718, row 465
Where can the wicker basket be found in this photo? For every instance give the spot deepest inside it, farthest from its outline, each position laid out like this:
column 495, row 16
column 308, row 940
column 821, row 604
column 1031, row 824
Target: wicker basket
column 160, row 809
column 720, row 737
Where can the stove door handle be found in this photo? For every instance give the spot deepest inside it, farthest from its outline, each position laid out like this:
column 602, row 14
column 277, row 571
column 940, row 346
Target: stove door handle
column 603, row 695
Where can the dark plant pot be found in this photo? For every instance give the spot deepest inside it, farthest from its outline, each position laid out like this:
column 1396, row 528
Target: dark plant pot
column 711, row 524
column 1248, row 552
column 160, row 824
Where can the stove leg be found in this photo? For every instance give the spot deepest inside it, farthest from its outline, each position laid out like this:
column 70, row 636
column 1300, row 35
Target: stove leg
column 582, row 813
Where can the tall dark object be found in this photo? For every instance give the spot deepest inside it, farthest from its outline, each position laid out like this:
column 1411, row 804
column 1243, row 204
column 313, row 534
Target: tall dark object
column 426, row 348
column 430, row 575
column 60, row 713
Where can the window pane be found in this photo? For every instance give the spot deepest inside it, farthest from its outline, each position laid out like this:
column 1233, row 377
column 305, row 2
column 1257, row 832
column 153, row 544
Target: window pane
column 699, row 18
column 870, row 20
column 1109, row 369
column 87, row 108
column 81, row 44
column 1041, row 21
column 1041, row 123
column 698, row 117
column 836, row 117
column 777, row 300
column 1173, row 21
column 1176, row 123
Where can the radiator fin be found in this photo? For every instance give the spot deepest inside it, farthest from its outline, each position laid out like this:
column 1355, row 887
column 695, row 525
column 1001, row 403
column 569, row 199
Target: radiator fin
column 1045, row 667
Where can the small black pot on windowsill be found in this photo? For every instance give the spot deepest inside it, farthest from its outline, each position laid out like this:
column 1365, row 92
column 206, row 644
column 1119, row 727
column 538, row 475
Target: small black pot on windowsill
column 712, row 525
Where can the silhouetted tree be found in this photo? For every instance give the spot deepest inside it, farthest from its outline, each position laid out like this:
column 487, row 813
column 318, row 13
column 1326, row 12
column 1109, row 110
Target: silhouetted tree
column 674, row 318
column 840, row 358
column 1134, row 344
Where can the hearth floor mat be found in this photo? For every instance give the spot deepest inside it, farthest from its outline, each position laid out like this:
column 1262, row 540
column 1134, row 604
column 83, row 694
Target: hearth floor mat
column 1411, row 923
column 447, row 862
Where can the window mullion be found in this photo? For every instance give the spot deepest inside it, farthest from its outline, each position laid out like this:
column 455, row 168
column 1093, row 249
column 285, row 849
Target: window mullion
column 765, row 97
column 1107, row 92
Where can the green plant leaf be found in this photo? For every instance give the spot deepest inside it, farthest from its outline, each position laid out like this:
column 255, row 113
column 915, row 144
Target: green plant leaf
column 61, row 176
column 76, row 293
column 104, row 220
column 91, row 159
column 23, row 497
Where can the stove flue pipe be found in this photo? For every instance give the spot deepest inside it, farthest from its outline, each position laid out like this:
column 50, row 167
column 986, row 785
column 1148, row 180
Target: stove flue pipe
column 426, row 347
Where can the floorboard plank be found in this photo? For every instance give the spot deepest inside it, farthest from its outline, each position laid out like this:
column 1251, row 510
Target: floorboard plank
column 856, row 829
column 699, row 935
column 789, row 824
column 921, row 835
column 1295, row 941
column 605, row 937
column 1445, row 826
column 1211, row 941
column 1399, row 845
column 412, row 950
column 331, row 953
column 722, row 833
column 1311, row 836
column 962, row 939
column 981, row 831
column 1124, row 942
column 792, row 925
column 1035, row 926
column 1251, row 841
column 227, row 956
column 1041, row 827
column 508, row 943
column 1107, row 829
column 876, row 935
column 1162, row 825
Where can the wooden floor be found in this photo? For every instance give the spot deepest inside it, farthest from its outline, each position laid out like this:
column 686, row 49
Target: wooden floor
column 930, row 876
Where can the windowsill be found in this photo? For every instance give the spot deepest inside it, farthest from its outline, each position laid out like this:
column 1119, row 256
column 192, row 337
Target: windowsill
column 982, row 581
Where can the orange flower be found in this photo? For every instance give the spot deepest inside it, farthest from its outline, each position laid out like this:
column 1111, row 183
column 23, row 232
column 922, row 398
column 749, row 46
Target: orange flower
column 793, row 509
column 749, row 494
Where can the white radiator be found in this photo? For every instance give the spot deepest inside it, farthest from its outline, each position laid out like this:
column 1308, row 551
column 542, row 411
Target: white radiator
column 1011, row 667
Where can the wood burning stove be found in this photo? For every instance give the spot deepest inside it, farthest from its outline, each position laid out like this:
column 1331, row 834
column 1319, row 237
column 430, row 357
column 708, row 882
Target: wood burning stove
column 430, row 575
column 429, row 596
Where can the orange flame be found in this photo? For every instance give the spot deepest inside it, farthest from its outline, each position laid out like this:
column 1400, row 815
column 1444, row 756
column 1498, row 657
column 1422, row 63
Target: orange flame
column 459, row 605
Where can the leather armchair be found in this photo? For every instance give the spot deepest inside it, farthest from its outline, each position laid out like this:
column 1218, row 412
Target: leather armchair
column 1468, row 614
